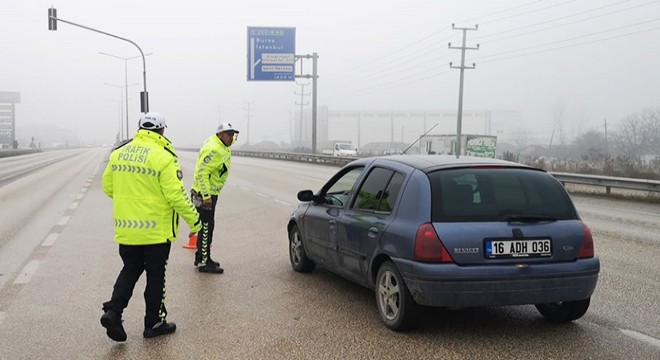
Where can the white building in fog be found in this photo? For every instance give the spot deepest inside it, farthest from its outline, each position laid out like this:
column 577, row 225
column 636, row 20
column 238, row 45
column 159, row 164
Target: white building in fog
column 361, row 127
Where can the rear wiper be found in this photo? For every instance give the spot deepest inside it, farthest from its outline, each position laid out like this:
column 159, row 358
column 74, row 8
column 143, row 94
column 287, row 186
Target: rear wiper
column 530, row 218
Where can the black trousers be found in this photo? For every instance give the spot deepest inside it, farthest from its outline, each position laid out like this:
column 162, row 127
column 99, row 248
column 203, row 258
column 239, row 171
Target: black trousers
column 137, row 259
column 205, row 235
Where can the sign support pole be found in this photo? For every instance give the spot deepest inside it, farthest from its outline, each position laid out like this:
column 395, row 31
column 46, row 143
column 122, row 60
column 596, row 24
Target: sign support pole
column 314, row 78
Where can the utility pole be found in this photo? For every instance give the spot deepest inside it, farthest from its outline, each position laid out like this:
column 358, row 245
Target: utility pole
column 248, row 111
column 359, row 144
column 460, row 87
column 607, row 145
column 391, row 127
column 302, row 103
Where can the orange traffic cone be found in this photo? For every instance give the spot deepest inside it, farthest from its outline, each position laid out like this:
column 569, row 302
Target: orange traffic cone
column 192, row 242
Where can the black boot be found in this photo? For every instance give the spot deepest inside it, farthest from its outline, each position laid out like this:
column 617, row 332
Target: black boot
column 211, row 268
column 162, row 328
column 114, row 329
column 209, row 261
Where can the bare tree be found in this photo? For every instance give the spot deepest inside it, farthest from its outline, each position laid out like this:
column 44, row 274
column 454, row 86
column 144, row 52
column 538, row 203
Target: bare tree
column 630, row 137
column 651, row 127
column 520, row 137
column 591, row 146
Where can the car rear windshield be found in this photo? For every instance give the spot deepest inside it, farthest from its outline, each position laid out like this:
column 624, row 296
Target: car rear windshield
column 498, row 194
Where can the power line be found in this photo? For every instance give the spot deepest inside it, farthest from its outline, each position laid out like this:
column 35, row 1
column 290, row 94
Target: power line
column 571, row 45
column 397, row 82
column 377, row 70
column 423, row 75
column 410, row 67
column 387, row 56
column 528, row 12
column 570, row 39
column 499, row 12
column 564, row 24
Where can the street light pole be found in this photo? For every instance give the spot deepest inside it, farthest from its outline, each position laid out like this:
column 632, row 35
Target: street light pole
column 123, row 89
column 125, row 78
column 144, row 96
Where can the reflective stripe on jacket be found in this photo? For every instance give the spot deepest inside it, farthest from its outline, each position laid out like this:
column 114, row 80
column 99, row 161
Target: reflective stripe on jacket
column 212, row 167
column 144, row 180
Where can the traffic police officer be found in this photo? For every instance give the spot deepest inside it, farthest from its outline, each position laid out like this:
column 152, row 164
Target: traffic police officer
column 210, row 175
column 143, row 177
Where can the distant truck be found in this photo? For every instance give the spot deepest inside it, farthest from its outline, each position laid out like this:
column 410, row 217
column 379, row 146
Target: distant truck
column 471, row 145
column 341, row 149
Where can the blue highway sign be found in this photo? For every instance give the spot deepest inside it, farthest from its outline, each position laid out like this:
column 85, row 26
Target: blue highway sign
column 271, row 53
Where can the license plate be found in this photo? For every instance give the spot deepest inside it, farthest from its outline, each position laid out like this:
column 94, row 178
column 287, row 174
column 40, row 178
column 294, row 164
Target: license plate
column 518, row 248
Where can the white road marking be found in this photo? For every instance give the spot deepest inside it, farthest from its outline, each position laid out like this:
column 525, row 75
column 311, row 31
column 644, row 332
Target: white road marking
column 50, row 239
column 641, row 337
column 282, row 202
column 64, row 220
column 73, row 205
column 26, row 274
column 261, row 194
column 83, row 190
column 80, row 196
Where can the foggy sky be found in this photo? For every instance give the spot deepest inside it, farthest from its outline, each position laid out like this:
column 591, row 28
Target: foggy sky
column 598, row 57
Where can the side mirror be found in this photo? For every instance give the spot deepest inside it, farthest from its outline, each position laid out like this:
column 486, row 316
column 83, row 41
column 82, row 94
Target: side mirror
column 305, row 195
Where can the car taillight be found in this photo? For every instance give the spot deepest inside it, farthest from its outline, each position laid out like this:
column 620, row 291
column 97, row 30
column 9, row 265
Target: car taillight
column 587, row 248
column 428, row 246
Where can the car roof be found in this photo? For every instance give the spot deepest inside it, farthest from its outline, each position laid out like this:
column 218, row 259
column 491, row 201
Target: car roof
column 428, row 163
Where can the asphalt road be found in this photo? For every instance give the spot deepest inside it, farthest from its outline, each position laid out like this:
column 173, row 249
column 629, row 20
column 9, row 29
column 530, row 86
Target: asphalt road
column 58, row 263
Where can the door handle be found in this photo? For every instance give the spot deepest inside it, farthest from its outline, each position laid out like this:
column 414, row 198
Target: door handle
column 373, row 231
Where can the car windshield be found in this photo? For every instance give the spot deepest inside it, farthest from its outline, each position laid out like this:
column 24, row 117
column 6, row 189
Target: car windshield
column 498, row 194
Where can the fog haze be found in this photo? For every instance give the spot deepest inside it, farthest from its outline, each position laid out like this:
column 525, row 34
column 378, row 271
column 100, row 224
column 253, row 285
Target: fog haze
column 599, row 58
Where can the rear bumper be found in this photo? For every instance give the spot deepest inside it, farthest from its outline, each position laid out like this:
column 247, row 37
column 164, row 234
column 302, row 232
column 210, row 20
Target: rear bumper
column 464, row 286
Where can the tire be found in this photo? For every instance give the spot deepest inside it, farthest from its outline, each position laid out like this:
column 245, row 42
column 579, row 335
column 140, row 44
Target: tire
column 396, row 307
column 299, row 260
column 564, row 311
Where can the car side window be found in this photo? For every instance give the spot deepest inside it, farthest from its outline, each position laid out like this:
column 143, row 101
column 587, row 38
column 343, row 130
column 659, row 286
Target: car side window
column 379, row 190
column 339, row 191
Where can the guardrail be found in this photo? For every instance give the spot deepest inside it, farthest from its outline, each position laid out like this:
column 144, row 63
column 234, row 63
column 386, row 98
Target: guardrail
column 15, row 152
column 300, row 157
column 608, row 182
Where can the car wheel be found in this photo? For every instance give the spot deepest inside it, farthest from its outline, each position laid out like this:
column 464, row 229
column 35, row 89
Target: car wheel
column 564, row 311
column 299, row 260
column 397, row 308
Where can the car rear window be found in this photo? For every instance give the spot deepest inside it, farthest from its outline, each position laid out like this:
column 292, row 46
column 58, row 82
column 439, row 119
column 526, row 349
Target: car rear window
column 497, row 194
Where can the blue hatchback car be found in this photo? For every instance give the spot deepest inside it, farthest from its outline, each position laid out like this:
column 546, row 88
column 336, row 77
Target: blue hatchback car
column 435, row 230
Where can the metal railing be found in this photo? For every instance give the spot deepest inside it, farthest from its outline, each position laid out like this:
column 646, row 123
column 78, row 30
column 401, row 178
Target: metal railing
column 608, row 182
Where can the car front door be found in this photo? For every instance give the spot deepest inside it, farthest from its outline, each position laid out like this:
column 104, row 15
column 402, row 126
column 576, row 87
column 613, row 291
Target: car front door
column 321, row 219
column 366, row 219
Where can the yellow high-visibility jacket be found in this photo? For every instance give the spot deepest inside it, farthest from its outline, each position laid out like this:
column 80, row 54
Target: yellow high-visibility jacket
column 144, row 180
column 212, row 167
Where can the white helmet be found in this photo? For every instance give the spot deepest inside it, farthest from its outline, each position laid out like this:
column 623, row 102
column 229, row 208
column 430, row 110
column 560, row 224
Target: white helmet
column 226, row 127
column 152, row 121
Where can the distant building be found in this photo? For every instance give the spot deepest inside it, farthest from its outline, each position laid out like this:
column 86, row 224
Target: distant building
column 361, row 127
column 8, row 101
